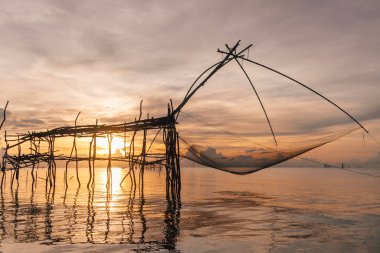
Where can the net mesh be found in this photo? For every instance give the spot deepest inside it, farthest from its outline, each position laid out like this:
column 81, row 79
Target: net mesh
column 223, row 125
column 248, row 157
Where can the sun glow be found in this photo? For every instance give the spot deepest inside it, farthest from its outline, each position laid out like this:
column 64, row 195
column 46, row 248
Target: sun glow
column 117, row 175
column 117, row 145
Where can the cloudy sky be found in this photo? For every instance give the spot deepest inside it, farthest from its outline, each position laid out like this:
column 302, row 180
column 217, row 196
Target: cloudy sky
column 103, row 57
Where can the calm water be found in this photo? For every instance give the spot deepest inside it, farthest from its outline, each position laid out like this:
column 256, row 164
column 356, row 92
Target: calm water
column 274, row 210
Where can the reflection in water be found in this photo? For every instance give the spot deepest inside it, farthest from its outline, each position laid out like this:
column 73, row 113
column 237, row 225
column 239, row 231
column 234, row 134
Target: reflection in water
column 276, row 210
column 172, row 217
column 93, row 214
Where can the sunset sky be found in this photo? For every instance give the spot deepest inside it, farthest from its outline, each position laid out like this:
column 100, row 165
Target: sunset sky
column 102, row 57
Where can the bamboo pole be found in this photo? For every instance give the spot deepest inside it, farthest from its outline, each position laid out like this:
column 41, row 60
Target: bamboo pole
column 4, row 115
column 94, row 154
column 109, row 168
column 143, row 157
column 4, row 161
column 89, row 163
column 76, row 151
column 137, row 162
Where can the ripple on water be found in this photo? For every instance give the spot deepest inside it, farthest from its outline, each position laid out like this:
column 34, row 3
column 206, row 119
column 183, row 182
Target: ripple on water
column 277, row 210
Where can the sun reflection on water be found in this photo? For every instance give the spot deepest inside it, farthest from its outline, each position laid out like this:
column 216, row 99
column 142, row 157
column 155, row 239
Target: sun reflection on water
column 117, row 175
column 82, row 213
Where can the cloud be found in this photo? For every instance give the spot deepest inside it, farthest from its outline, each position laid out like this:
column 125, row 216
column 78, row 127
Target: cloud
column 26, row 120
column 61, row 57
column 238, row 164
column 14, row 121
column 27, row 123
column 371, row 162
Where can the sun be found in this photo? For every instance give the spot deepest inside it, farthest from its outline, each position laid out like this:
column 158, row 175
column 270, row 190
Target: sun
column 116, row 146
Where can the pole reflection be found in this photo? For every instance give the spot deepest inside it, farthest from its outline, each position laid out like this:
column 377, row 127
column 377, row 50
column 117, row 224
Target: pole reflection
column 95, row 214
column 172, row 218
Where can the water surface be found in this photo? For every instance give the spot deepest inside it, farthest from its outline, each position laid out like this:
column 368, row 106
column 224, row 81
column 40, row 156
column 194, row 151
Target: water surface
column 274, row 210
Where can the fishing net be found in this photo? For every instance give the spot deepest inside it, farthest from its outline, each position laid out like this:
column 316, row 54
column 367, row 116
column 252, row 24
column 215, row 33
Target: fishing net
column 243, row 156
column 223, row 125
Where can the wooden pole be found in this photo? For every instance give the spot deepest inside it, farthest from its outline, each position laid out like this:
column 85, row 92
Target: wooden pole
column 18, row 162
column 4, row 115
column 109, row 170
column 94, row 155
column 143, row 160
column 89, row 163
column 4, row 161
column 76, row 150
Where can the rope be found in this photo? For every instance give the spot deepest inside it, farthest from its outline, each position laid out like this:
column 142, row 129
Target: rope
column 303, row 85
column 258, row 97
column 358, row 172
column 307, row 87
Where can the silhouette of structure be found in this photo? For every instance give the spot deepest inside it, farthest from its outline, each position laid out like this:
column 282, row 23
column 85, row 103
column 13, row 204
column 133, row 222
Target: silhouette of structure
column 137, row 160
column 139, row 156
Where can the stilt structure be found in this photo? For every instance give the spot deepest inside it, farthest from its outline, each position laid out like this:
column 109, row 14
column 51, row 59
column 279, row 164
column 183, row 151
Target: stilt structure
column 137, row 160
column 140, row 154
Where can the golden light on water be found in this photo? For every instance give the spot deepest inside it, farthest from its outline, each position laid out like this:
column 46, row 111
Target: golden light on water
column 117, row 175
column 116, row 179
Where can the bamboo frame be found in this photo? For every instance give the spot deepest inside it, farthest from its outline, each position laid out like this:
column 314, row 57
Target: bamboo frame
column 137, row 159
